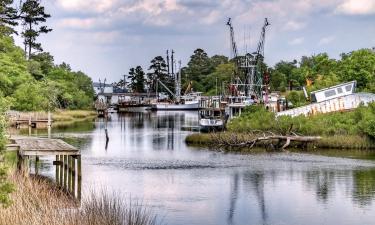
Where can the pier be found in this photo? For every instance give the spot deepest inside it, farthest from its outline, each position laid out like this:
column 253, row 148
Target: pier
column 31, row 119
column 67, row 161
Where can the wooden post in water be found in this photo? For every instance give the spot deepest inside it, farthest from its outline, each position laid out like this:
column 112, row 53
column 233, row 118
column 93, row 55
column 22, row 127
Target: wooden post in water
column 79, row 180
column 74, row 176
column 65, row 170
column 70, row 174
column 61, row 170
column 36, row 165
column 57, row 171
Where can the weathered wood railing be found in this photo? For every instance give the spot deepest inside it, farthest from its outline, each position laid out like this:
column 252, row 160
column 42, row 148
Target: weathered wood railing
column 68, row 169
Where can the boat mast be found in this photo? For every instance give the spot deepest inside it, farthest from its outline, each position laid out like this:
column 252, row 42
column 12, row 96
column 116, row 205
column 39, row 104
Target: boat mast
column 178, row 83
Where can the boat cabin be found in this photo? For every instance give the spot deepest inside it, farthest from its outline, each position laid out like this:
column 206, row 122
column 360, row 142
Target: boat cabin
column 333, row 92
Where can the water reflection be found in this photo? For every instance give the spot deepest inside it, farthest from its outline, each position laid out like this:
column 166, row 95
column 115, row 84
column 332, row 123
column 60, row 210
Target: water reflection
column 146, row 157
column 364, row 186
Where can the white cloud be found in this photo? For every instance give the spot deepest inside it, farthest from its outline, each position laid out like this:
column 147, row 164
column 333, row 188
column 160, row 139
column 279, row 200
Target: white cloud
column 212, row 17
column 297, row 41
column 326, row 40
column 78, row 23
column 87, row 5
column 356, row 7
column 294, row 25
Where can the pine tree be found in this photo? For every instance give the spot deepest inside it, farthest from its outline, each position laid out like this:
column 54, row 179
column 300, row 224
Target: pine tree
column 158, row 70
column 137, row 79
column 33, row 14
column 8, row 17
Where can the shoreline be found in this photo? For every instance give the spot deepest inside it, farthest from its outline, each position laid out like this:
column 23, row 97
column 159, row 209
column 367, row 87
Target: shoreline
column 337, row 142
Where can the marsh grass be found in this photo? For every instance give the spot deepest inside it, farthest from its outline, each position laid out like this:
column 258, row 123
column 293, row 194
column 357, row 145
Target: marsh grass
column 36, row 201
column 73, row 115
column 327, row 142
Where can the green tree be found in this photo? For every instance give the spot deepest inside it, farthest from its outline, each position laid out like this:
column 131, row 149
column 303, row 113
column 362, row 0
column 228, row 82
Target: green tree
column 137, row 79
column 360, row 66
column 13, row 66
column 199, row 67
column 218, row 59
column 215, row 82
column 46, row 61
column 158, row 71
column 32, row 14
column 5, row 187
column 8, row 17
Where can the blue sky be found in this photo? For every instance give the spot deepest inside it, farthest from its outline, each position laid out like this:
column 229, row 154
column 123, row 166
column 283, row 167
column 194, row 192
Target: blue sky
column 104, row 38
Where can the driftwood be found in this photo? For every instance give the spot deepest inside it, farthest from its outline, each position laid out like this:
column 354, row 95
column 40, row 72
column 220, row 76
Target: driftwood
column 250, row 139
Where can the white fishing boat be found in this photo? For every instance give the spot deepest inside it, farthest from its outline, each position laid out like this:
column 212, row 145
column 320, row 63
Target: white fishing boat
column 211, row 124
column 187, row 102
column 212, row 116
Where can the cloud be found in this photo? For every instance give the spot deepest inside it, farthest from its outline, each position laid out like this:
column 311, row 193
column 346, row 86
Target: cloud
column 326, row 40
column 356, row 7
column 211, row 18
column 79, row 23
column 297, row 41
column 294, row 25
column 87, row 5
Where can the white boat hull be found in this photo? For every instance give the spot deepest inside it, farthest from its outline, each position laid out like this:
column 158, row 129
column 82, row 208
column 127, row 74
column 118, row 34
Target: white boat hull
column 133, row 109
column 207, row 125
column 167, row 106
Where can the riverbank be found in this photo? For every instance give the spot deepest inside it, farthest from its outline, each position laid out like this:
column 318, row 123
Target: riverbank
column 341, row 130
column 71, row 116
column 326, row 142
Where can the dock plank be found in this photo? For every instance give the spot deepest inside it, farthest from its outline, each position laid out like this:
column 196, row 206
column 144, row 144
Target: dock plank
column 43, row 146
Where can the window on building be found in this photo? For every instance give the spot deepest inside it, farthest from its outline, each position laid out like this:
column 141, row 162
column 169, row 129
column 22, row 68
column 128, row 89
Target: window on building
column 339, row 90
column 348, row 88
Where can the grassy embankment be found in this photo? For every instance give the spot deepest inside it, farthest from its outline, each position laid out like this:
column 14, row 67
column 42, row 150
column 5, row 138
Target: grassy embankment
column 66, row 117
column 342, row 130
column 37, row 201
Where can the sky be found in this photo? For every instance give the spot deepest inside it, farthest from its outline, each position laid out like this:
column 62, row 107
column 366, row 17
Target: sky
column 105, row 38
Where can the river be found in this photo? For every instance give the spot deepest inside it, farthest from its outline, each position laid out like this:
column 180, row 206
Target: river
column 146, row 159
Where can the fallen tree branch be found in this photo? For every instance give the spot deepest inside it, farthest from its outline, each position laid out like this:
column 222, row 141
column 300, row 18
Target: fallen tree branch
column 240, row 141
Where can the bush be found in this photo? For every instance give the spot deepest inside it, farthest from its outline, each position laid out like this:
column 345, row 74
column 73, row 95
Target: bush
column 358, row 122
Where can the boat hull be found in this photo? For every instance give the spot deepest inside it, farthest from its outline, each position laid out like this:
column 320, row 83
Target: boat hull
column 175, row 107
column 209, row 125
column 125, row 109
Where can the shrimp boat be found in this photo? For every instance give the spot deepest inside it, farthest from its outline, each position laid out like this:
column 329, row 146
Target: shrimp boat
column 212, row 116
column 187, row 102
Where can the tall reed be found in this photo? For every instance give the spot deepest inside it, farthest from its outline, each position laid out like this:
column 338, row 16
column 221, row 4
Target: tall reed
column 37, row 201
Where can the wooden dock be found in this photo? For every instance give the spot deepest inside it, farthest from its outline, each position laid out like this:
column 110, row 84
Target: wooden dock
column 67, row 160
column 31, row 119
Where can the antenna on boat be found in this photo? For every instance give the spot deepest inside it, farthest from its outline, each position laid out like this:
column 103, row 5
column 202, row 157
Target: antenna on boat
column 172, row 62
column 168, row 62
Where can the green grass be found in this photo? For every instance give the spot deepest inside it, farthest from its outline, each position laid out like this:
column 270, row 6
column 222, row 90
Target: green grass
column 72, row 115
column 360, row 122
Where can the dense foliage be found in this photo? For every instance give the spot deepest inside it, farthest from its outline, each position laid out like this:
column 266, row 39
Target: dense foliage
column 5, row 186
column 137, row 79
column 210, row 75
column 358, row 122
column 38, row 84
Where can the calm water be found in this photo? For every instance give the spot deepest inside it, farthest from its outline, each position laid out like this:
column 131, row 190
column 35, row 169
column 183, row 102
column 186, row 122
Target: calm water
column 146, row 159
